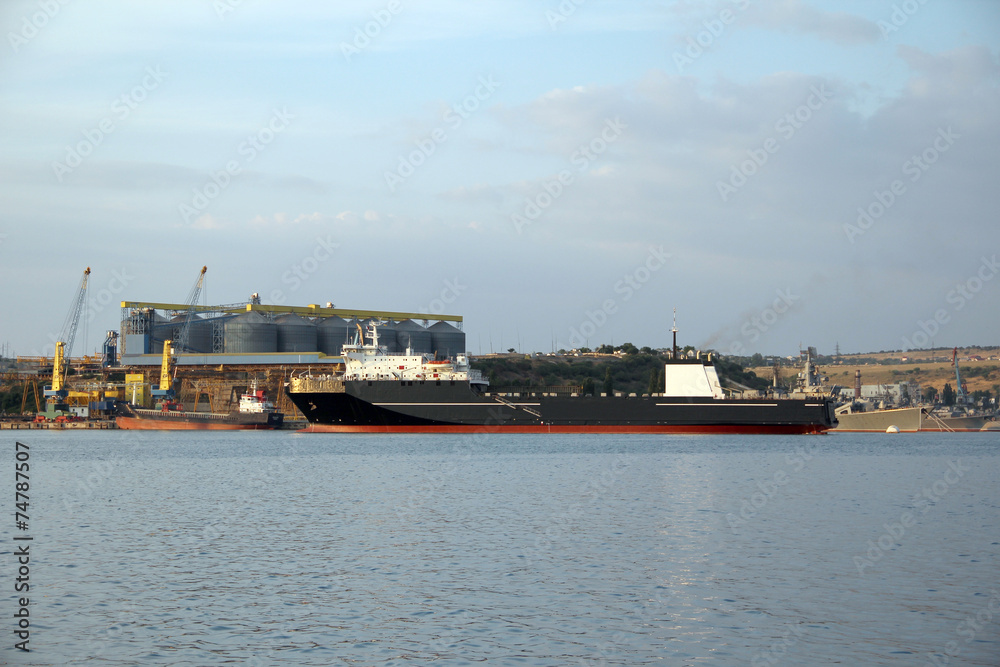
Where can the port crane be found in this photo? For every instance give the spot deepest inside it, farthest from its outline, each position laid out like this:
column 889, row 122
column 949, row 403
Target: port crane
column 68, row 333
column 56, row 393
column 192, row 301
column 165, row 391
column 961, row 395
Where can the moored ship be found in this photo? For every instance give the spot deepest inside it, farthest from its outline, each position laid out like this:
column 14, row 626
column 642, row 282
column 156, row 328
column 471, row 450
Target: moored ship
column 253, row 412
column 911, row 420
column 407, row 393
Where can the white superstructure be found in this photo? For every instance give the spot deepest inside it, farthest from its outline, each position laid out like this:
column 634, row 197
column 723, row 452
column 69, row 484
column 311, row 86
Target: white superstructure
column 697, row 380
column 373, row 362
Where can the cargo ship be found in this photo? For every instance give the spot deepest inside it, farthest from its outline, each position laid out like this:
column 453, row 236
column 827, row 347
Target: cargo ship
column 254, row 412
column 378, row 392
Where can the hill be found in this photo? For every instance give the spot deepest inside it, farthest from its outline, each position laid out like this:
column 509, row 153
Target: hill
column 630, row 373
column 929, row 368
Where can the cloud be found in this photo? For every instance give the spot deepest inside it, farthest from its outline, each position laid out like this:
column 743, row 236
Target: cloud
column 790, row 16
column 798, row 17
column 206, row 222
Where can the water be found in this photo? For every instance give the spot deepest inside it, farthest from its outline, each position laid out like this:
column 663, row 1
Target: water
column 294, row 549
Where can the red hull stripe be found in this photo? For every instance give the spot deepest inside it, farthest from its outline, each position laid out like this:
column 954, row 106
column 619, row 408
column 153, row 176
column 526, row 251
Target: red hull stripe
column 133, row 424
column 773, row 429
column 910, row 430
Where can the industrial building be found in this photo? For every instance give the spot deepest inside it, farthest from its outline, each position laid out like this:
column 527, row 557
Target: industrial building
column 219, row 350
column 256, row 334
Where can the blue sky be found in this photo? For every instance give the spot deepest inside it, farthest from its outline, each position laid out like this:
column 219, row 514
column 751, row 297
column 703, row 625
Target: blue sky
column 558, row 173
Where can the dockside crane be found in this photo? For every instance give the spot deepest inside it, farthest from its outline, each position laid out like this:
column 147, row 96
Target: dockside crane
column 164, row 393
column 56, row 393
column 961, row 394
column 68, row 333
column 192, row 301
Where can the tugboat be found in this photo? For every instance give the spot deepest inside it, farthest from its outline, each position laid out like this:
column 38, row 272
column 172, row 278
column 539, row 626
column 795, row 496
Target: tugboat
column 380, row 392
column 254, row 411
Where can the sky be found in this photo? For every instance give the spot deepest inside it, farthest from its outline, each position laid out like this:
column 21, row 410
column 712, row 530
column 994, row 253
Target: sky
column 560, row 173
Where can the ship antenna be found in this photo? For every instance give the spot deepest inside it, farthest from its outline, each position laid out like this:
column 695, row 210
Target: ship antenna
column 674, row 330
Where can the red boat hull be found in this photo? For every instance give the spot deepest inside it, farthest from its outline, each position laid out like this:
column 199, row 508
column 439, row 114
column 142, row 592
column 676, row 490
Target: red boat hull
column 766, row 429
column 131, row 423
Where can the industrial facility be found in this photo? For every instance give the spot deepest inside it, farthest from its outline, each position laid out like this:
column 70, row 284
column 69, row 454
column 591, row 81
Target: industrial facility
column 217, row 351
column 253, row 334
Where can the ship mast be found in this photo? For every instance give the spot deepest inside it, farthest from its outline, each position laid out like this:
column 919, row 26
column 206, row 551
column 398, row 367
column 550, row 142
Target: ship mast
column 674, row 330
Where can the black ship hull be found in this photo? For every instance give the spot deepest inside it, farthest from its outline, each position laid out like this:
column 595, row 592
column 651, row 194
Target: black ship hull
column 409, row 407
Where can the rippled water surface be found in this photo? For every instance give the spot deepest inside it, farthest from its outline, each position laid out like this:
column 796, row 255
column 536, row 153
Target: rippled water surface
column 284, row 548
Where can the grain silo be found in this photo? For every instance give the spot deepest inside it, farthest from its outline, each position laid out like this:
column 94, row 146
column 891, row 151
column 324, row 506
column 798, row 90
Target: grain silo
column 446, row 339
column 409, row 334
column 296, row 334
column 331, row 334
column 251, row 333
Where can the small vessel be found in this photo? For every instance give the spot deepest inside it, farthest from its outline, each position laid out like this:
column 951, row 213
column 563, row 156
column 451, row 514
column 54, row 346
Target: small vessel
column 378, row 392
column 253, row 412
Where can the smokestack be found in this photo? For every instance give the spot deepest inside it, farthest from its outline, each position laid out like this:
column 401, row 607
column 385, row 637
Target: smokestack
column 857, row 384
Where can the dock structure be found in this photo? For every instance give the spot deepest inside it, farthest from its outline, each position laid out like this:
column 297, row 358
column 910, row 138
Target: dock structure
column 225, row 346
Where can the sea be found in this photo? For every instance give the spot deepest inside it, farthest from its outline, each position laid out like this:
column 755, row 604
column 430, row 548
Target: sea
column 286, row 548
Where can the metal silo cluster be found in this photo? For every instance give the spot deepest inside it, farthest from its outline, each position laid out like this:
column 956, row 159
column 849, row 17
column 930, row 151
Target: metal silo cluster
column 296, row 334
column 251, row 333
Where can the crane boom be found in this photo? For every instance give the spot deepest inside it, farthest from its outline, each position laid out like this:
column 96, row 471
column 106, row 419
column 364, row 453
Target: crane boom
column 192, row 301
column 68, row 333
